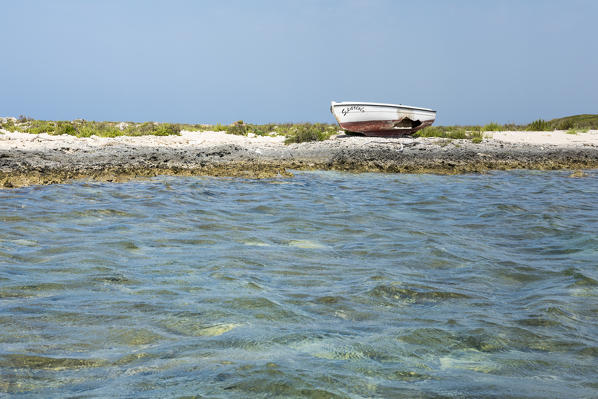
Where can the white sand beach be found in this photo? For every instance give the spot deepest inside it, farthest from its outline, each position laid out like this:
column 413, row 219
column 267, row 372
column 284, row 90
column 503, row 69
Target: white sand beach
column 206, row 139
column 556, row 137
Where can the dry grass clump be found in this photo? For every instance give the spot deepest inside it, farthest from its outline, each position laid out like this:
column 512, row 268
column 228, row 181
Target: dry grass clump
column 304, row 132
column 475, row 134
column 83, row 128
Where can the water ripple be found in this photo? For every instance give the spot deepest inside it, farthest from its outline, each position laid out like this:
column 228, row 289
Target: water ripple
column 326, row 285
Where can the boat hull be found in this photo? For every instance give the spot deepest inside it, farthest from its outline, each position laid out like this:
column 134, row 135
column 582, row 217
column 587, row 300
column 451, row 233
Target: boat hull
column 375, row 119
column 382, row 128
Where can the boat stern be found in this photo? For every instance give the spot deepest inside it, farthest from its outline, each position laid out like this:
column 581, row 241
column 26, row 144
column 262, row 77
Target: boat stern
column 333, row 111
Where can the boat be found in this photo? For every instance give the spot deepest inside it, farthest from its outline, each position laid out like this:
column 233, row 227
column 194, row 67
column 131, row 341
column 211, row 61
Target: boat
column 378, row 119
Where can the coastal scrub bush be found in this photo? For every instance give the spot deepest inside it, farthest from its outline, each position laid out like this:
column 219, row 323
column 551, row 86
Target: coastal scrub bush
column 37, row 127
column 205, row 128
column 477, row 136
column 566, row 124
column 141, row 129
column 447, row 132
column 8, row 125
column 151, row 129
column 167, row 129
column 102, row 129
column 492, row 127
column 583, row 121
column 539, row 126
column 457, row 133
column 218, row 127
column 82, row 128
column 474, row 133
column 512, row 127
column 431, row 131
column 243, row 129
column 309, row 132
column 263, row 130
column 239, row 128
column 297, row 131
column 64, row 127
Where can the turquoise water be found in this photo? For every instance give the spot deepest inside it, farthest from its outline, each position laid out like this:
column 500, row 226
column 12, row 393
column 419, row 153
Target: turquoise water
column 322, row 285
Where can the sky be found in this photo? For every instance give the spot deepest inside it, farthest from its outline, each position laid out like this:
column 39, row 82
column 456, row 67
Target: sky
column 264, row 61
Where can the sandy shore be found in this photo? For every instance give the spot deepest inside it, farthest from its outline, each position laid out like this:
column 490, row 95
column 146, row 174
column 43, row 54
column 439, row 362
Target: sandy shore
column 27, row 159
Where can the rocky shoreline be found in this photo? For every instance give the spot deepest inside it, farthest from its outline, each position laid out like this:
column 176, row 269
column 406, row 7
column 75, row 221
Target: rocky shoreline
column 28, row 159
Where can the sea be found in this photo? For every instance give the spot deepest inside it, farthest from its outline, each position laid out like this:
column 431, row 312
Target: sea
column 323, row 285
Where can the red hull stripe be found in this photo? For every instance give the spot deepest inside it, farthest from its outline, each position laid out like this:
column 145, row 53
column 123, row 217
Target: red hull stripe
column 381, row 128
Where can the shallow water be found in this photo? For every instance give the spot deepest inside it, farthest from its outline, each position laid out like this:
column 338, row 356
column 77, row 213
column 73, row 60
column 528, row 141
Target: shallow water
column 323, row 285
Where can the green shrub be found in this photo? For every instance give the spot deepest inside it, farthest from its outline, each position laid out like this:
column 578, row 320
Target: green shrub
column 141, row 129
column 474, row 133
column 447, row 132
column 102, row 129
column 512, row 127
column 239, row 128
column 151, row 129
column 64, row 127
column 218, row 127
column 476, row 136
column 167, row 129
column 492, row 127
column 539, row 126
column 309, row 132
column 565, row 124
column 206, row 128
column 583, row 121
column 9, row 125
column 37, row 127
column 431, row 131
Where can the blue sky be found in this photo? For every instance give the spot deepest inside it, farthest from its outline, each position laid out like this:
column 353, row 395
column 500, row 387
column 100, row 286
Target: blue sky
column 284, row 61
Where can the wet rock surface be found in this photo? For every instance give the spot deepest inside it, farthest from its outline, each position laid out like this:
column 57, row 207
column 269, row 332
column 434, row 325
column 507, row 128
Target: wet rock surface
column 41, row 159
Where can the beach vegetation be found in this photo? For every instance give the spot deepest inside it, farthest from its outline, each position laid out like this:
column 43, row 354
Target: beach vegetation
column 239, row 128
column 8, row 125
column 583, row 121
column 64, row 127
column 304, row 132
column 476, row 136
column 151, row 129
column 473, row 133
column 37, row 127
column 539, row 125
column 293, row 132
column 492, row 127
column 83, row 128
column 218, row 127
column 577, row 122
column 101, row 129
column 512, row 127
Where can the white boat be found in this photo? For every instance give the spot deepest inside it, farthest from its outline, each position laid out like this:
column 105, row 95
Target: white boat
column 377, row 119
